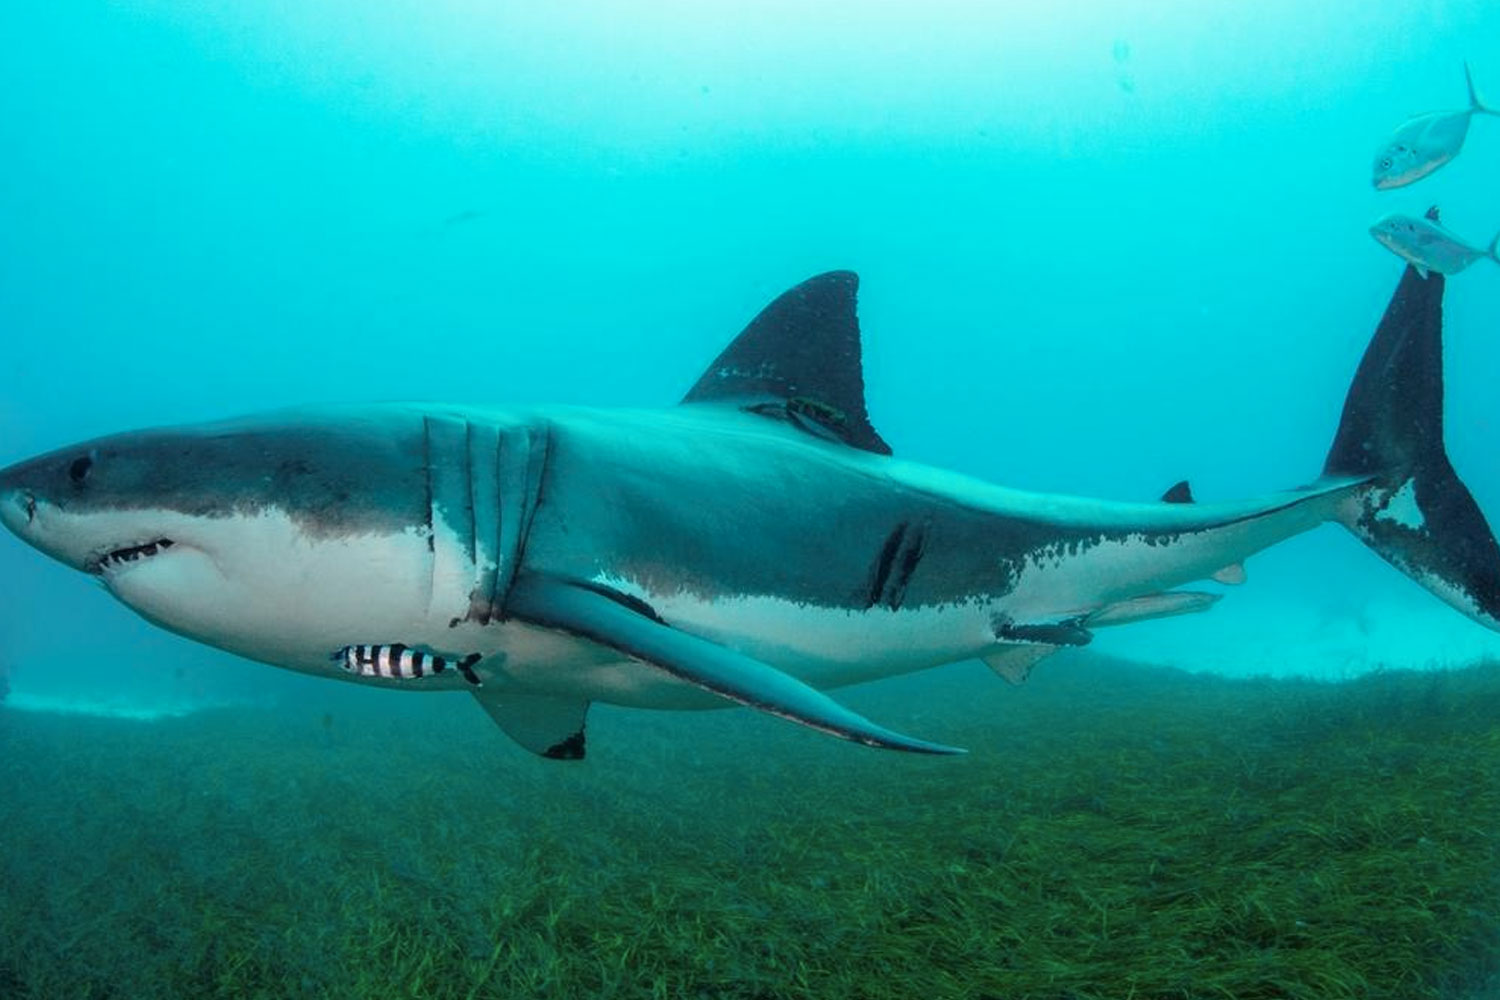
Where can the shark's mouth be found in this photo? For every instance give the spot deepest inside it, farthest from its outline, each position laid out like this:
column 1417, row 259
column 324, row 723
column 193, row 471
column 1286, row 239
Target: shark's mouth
column 118, row 558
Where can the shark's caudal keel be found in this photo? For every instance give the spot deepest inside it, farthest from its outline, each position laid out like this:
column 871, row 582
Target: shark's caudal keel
column 753, row 546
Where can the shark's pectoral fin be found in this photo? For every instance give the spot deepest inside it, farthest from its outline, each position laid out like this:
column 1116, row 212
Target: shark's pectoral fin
column 551, row 727
column 632, row 627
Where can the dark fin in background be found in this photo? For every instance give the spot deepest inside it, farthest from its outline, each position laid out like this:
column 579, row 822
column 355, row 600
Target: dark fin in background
column 633, row 628
column 1179, row 493
column 551, row 727
column 1417, row 514
column 799, row 360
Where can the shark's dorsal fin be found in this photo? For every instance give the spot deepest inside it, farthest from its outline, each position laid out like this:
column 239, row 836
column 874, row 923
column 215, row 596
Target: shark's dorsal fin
column 799, row 360
column 1179, row 493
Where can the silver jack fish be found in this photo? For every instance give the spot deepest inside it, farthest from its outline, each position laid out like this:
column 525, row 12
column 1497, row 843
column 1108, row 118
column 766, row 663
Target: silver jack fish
column 1427, row 246
column 1426, row 142
column 756, row 545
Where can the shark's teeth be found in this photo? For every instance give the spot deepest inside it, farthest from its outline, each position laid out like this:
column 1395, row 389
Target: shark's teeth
column 131, row 553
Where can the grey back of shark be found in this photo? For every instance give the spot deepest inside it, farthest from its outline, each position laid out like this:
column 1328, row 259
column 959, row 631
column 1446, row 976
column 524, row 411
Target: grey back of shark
column 755, row 545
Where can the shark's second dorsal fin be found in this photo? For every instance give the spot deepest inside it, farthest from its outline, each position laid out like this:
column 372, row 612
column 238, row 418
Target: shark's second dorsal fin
column 1180, row 492
column 799, row 360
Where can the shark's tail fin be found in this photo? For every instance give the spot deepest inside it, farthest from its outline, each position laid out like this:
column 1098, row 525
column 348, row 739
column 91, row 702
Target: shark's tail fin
column 1415, row 511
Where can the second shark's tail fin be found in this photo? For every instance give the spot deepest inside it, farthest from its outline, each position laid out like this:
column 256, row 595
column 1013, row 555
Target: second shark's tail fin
column 1415, row 512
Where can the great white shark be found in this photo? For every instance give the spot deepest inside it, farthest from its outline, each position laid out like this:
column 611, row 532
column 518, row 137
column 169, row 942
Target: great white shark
column 756, row 544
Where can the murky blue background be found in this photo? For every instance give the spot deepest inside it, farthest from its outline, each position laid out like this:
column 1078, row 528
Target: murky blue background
column 1103, row 247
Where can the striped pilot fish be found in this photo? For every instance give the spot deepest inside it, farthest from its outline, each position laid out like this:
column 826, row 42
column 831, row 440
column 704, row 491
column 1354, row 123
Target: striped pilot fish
column 394, row 661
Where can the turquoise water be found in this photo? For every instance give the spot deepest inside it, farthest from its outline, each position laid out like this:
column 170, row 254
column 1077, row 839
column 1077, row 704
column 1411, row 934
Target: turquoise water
column 1102, row 248
column 1100, row 251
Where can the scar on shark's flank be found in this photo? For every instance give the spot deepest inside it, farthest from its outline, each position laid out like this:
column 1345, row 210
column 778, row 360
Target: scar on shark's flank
column 895, row 564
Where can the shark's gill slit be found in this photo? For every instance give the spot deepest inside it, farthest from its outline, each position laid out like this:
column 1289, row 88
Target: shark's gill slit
column 537, row 460
column 485, row 499
column 427, row 477
column 472, row 551
column 429, row 527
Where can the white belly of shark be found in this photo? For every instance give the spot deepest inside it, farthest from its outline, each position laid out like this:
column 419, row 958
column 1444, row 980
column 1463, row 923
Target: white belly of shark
column 822, row 646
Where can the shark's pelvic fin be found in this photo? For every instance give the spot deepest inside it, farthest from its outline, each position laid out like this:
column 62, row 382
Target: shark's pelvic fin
column 799, row 361
column 632, row 627
column 551, row 727
column 1013, row 660
column 1148, row 606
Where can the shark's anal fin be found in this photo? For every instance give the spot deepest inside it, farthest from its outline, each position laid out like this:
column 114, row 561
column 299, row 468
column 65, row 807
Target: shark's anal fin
column 633, row 628
column 551, row 727
column 1014, row 662
column 1231, row 576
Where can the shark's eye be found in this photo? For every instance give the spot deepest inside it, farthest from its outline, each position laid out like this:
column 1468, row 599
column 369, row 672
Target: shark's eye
column 1385, row 164
column 78, row 471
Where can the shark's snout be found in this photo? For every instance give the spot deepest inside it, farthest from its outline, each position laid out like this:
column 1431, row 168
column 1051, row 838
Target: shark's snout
column 31, row 503
column 19, row 510
column 17, row 504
